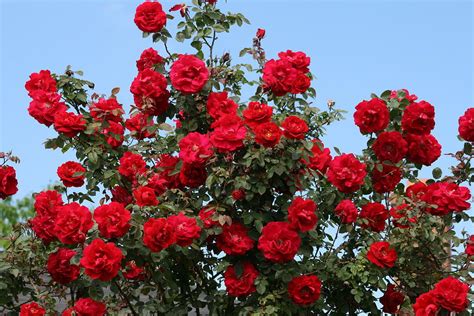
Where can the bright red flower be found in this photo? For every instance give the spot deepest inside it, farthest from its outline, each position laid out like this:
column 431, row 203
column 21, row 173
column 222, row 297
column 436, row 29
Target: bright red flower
column 234, row 239
column 107, row 110
column 189, row 74
column 298, row 60
column 346, row 211
column 281, row 77
column 45, row 106
column 186, row 228
column 219, row 104
column 114, row 134
column 416, row 191
column 43, row 226
column 133, row 272
column 320, row 158
column 399, row 216
column 69, row 123
column 426, row 305
column 371, row 116
column 192, row 176
column 466, row 125
column 32, row 309
column 86, row 307
column 304, row 289
column 302, row 214
column 148, row 59
column 257, row 113
column 448, row 197
column 390, row 146
column 423, row 149
column 8, row 182
column 195, row 148
column 267, row 134
column 60, row 267
column 41, row 81
column 387, row 179
column 418, row 118
column 113, row 220
column 228, row 134
column 294, row 127
column 407, row 95
column 121, row 195
column 243, row 284
column 376, row 214
column 131, row 165
column 101, row 260
column 150, row 17
column 279, row 242
column 382, row 255
column 391, row 300
column 181, row 7
column 139, row 125
column 149, row 92
column 260, row 34
column 346, row 173
column 145, row 196
column 166, row 166
column 470, row 246
column 206, row 215
column 71, row 174
column 158, row 234
column 451, row 294
column 73, row 221
column 46, row 202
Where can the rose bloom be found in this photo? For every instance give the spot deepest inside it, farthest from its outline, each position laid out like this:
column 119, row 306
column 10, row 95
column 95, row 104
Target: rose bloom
column 101, row 260
column 407, row 95
column 391, row 300
column 422, row 149
column 158, row 183
column 304, row 289
column 72, row 223
column 192, row 176
column 166, row 166
column 426, row 305
column 390, row 146
column 107, row 110
column 86, row 307
column 8, row 181
column 302, row 214
column 219, row 104
column 32, row 309
column 382, row 255
column 267, row 134
column 257, row 113
column 376, row 214
column 243, row 285
column 298, row 60
column 113, row 220
column 47, row 201
column 238, row 194
column 387, row 179
column 418, row 118
column 416, row 191
column 145, row 196
column 294, row 127
column 470, row 246
column 260, row 34
column 189, row 74
column 234, row 239
column 281, row 77
column 139, row 125
column 346, row 173
column 131, row 165
column 399, row 216
column 228, row 134
column 71, row 174
column 60, row 267
column 133, row 272
column 320, row 158
column 121, row 195
column 206, row 215
column 451, row 294
column 371, row 116
column 40, row 81
column 158, row 234
column 346, row 211
column 279, row 242
column 195, row 148
column 43, row 226
column 149, row 92
column 466, row 125
column 186, row 228
column 182, row 8
column 150, row 17
column 148, row 59
column 69, row 123
column 448, row 197
column 114, row 134
column 45, row 106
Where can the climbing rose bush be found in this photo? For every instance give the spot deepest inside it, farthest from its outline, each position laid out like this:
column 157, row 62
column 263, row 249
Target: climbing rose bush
column 194, row 199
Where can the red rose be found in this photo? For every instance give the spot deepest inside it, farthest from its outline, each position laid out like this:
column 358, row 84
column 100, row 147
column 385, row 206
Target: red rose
column 32, row 309
column 69, row 123
column 346, row 211
column 228, row 134
column 148, row 59
column 182, row 8
column 189, row 74
column 234, row 239
column 60, row 267
column 218, row 104
column 107, row 110
column 390, row 146
column 381, row 254
column 391, row 300
column 423, row 149
column 376, row 214
column 371, row 116
column 113, row 220
column 46, row 202
column 320, row 158
column 257, row 113
column 192, row 176
column 166, row 166
column 404, row 95
column 71, row 174
column 86, row 307
column 195, row 148
column 40, row 81
column 294, row 127
column 281, row 77
column 304, row 289
column 43, row 226
column 298, row 60
column 418, row 118
column 302, row 214
column 243, row 284
column 267, row 134
column 387, row 179
column 399, row 216
column 133, row 272
column 451, row 294
column 101, row 260
column 260, row 34
column 8, row 182
column 121, row 195
column 426, row 305
column 466, row 125
column 114, row 134
column 149, row 92
column 140, row 125
column 145, row 196
column 346, row 173
column 416, row 191
column 470, row 246
column 72, row 223
column 131, row 165
column 186, row 229
column 158, row 183
column 238, row 194
column 448, row 197
column 45, row 106
column 278, row 242
column 158, row 234
column 206, row 215
column 150, row 17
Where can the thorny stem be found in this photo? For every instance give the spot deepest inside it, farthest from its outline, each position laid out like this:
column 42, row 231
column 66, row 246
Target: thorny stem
column 125, row 297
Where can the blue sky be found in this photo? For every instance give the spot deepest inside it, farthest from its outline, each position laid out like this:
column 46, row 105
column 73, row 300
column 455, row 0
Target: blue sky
column 357, row 47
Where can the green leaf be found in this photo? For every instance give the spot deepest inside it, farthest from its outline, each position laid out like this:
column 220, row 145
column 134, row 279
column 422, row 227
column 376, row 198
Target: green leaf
column 437, row 173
